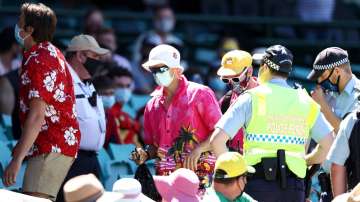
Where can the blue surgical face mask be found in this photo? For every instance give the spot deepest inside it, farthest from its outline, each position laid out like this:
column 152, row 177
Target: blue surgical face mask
column 108, row 101
column 123, row 95
column 18, row 38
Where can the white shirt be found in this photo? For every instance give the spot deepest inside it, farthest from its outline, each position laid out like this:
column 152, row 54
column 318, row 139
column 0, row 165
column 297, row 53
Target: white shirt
column 91, row 119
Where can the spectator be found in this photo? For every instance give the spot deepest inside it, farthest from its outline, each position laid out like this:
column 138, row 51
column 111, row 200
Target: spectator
column 180, row 186
column 107, row 38
column 50, row 137
column 94, row 21
column 230, row 179
column 121, row 128
column 236, row 70
column 164, row 23
column 18, row 197
column 9, row 51
column 353, row 196
column 180, row 115
column 89, row 107
column 85, row 188
column 105, row 87
column 130, row 189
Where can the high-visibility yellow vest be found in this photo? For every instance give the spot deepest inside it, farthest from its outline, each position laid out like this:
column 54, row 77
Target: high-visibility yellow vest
column 281, row 119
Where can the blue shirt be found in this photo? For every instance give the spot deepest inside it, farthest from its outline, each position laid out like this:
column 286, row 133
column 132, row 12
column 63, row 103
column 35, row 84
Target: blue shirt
column 339, row 151
column 348, row 100
column 239, row 115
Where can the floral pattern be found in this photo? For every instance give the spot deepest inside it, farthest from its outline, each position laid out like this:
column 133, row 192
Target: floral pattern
column 70, row 136
column 59, row 93
column 45, row 75
column 49, row 81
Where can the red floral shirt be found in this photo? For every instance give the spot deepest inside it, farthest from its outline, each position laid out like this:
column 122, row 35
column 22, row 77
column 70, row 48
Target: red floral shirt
column 120, row 127
column 44, row 75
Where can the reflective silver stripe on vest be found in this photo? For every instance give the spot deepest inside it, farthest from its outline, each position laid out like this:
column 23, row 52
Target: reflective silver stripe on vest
column 257, row 151
column 282, row 139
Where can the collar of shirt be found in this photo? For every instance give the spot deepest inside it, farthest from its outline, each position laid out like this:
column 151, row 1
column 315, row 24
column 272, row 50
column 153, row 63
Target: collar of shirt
column 349, row 87
column 87, row 89
column 279, row 81
column 35, row 47
column 183, row 83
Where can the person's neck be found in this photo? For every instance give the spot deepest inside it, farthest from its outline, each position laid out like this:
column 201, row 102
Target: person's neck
column 29, row 45
column 6, row 60
column 344, row 80
column 227, row 191
column 162, row 35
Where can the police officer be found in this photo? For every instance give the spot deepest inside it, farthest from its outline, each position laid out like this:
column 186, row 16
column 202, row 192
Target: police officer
column 279, row 121
column 344, row 155
column 338, row 90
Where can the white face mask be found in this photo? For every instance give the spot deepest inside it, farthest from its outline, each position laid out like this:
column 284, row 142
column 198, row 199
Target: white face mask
column 163, row 79
column 165, row 25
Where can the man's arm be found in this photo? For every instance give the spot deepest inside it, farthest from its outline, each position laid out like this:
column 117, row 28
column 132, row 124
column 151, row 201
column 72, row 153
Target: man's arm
column 319, row 96
column 32, row 126
column 338, row 179
column 218, row 142
column 318, row 155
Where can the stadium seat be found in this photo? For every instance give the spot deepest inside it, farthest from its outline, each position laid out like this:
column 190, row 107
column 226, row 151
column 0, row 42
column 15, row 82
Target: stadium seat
column 121, row 153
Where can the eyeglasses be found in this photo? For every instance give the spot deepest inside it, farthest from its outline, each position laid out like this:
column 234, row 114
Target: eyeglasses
column 240, row 78
column 235, row 80
column 159, row 69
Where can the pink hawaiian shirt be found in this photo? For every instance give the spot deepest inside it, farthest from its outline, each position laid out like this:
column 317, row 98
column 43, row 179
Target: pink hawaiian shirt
column 189, row 119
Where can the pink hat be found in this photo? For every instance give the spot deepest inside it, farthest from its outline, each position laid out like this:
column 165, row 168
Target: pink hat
column 180, row 186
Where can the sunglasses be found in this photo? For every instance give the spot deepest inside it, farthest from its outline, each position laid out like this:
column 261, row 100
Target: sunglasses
column 238, row 79
column 159, row 69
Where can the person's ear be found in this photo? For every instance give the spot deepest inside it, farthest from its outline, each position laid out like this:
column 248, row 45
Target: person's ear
column 80, row 57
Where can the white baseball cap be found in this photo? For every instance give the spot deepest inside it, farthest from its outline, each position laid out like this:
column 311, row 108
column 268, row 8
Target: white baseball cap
column 131, row 190
column 164, row 54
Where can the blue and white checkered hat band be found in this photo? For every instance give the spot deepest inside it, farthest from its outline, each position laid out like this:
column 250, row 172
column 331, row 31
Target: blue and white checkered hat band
column 282, row 139
column 332, row 65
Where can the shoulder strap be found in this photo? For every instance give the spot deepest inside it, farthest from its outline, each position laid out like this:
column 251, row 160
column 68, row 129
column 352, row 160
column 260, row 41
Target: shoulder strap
column 353, row 161
column 226, row 101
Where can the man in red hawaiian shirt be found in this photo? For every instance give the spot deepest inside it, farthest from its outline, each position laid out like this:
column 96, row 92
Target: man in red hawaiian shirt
column 180, row 116
column 121, row 128
column 50, row 136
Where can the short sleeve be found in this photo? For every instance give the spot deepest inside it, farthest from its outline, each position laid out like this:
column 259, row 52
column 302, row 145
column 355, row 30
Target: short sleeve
column 237, row 116
column 340, row 151
column 148, row 132
column 208, row 108
column 321, row 128
column 42, row 81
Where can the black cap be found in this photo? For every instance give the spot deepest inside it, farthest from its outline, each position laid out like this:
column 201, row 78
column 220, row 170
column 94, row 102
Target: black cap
column 328, row 58
column 278, row 58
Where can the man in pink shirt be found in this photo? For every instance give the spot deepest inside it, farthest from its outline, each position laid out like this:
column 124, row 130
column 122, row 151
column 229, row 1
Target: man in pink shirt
column 180, row 116
column 236, row 71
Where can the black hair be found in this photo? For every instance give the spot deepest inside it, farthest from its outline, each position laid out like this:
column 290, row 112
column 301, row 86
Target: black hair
column 7, row 39
column 102, row 83
column 118, row 71
column 225, row 181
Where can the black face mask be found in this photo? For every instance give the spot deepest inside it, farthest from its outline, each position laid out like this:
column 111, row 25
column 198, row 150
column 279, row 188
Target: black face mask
column 329, row 86
column 94, row 67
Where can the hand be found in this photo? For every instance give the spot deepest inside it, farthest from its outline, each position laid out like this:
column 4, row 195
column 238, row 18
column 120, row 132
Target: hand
column 11, row 172
column 139, row 156
column 318, row 95
column 193, row 158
